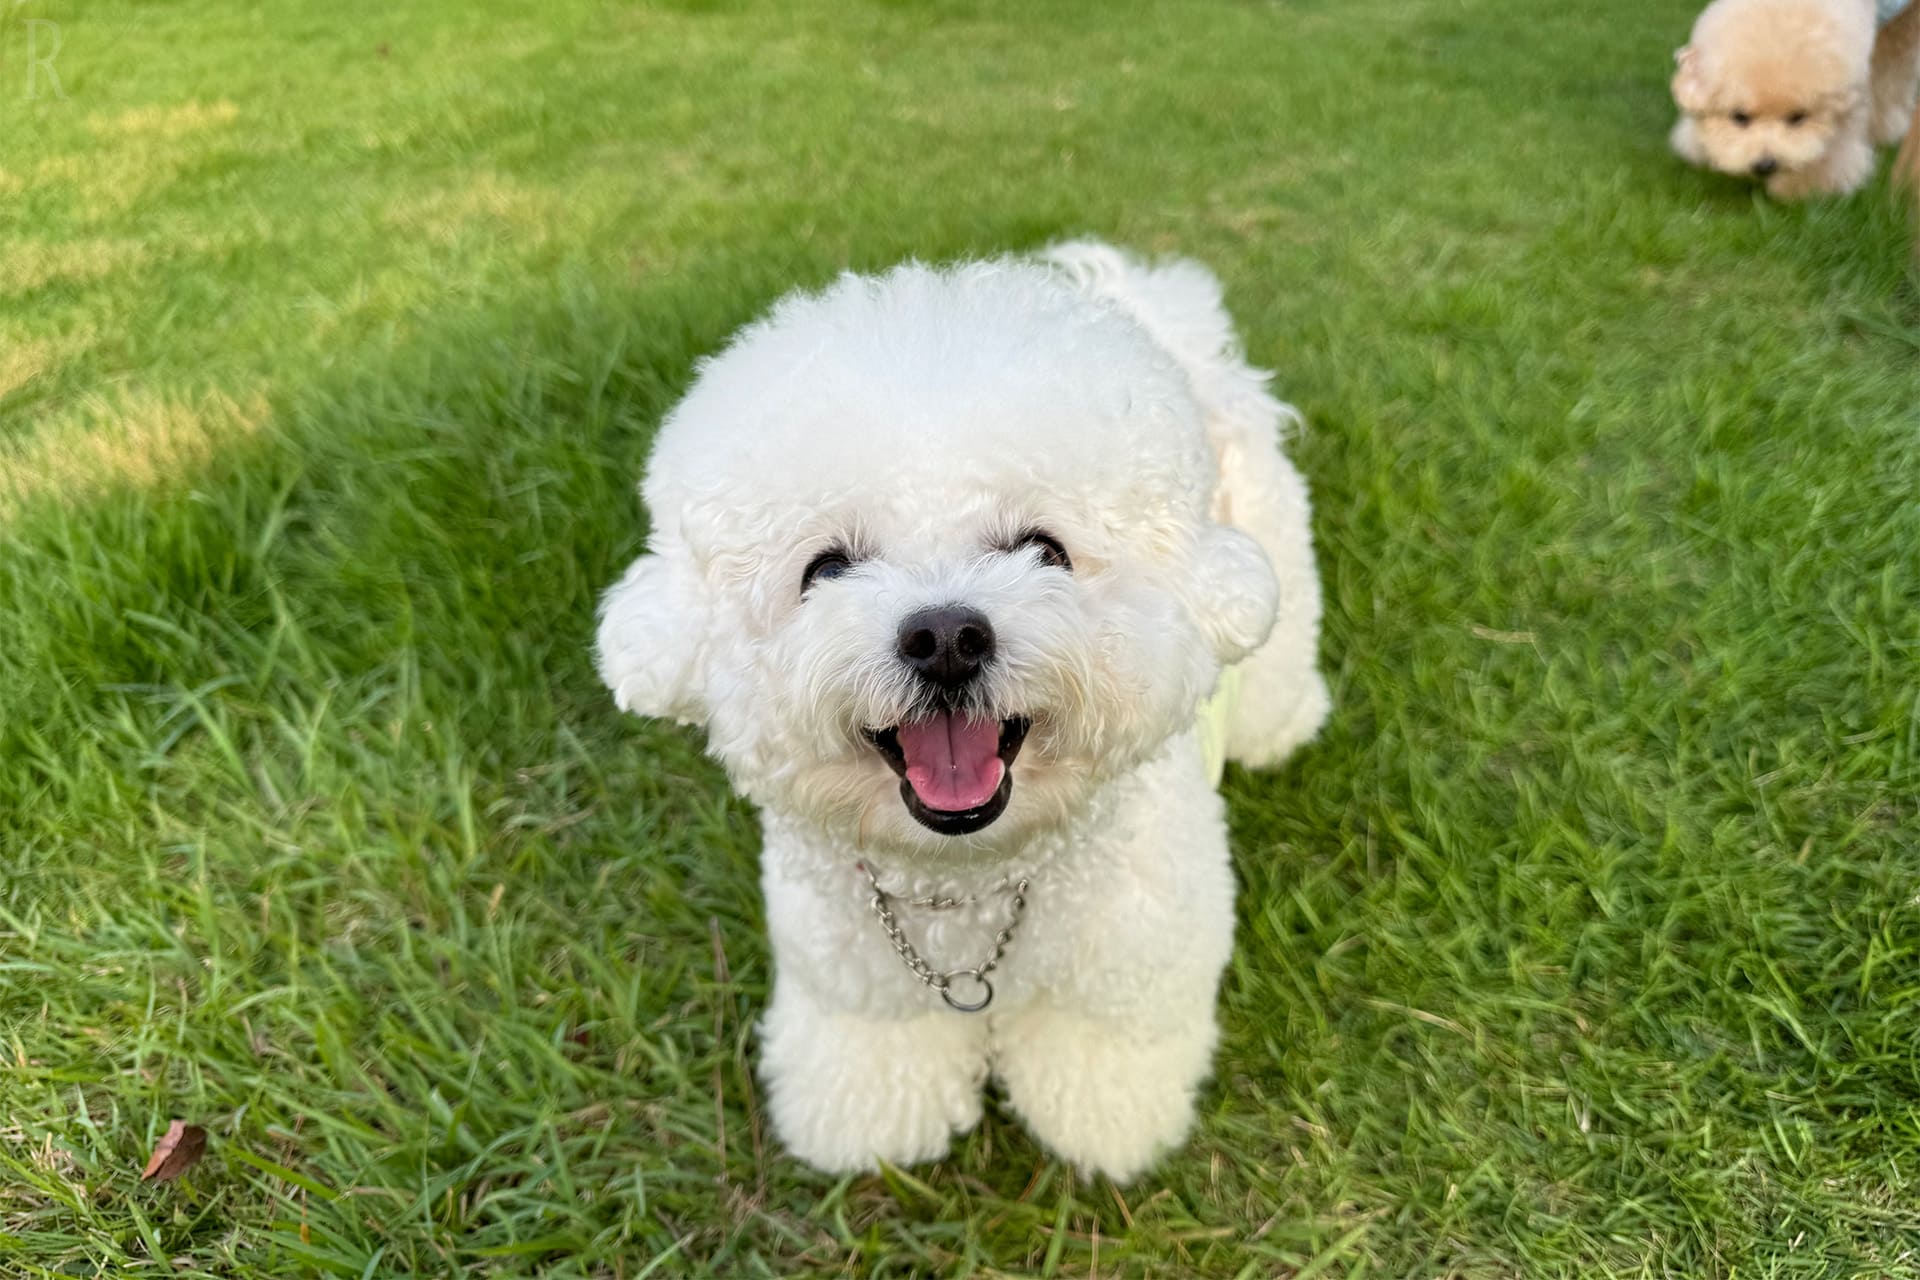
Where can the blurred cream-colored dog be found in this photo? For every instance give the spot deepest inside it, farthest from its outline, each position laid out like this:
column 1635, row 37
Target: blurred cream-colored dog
column 1906, row 174
column 1796, row 92
column 946, row 563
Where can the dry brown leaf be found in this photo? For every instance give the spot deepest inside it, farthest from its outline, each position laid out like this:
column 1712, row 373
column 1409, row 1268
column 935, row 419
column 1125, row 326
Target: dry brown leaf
column 178, row 1150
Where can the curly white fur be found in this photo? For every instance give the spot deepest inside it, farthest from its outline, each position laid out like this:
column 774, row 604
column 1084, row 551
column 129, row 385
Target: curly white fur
column 922, row 421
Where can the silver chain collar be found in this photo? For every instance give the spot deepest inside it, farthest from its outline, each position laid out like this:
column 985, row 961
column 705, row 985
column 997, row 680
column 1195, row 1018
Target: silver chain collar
column 937, row 979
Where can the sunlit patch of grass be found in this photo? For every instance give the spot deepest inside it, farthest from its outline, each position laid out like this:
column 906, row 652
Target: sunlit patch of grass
column 107, row 184
column 35, row 263
column 22, row 362
column 138, row 439
column 164, row 120
column 487, row 203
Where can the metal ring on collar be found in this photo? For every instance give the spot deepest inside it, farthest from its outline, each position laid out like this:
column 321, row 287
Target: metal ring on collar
column 963, row 1006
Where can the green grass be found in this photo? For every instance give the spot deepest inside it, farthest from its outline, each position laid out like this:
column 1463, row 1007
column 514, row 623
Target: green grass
column 1585, row 943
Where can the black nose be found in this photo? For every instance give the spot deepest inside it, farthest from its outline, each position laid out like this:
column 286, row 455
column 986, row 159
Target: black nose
column 947, row 646
column 1764, row 166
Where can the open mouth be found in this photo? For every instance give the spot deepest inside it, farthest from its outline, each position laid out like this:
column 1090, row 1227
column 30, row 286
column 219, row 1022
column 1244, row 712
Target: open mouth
column 956, row 772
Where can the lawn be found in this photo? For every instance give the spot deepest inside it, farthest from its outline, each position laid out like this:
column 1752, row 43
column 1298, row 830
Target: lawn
column 1584, row 943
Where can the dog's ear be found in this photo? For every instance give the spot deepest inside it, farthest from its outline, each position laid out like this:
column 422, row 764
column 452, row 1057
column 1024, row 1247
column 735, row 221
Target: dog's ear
column 1233, row 591
column 653, row 631
column 1689, row 89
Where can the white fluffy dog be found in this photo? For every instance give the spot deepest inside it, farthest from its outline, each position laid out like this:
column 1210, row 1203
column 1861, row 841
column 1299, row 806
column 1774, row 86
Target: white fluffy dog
column 946, row 562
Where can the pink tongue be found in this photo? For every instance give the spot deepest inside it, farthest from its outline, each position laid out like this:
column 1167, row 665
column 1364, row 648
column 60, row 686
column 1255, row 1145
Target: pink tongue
column 952, row 763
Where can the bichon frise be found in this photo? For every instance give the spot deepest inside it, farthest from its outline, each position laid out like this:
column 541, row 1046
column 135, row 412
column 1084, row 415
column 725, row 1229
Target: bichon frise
column 1797, row 92
column 946, row 563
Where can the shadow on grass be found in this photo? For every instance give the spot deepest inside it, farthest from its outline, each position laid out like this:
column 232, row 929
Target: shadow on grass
column 309, row 741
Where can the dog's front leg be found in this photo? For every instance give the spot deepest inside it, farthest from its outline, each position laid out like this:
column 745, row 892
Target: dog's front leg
column 1103, row 1060
column 1111, row 1094
column 1685, row 141
column 847, row 1090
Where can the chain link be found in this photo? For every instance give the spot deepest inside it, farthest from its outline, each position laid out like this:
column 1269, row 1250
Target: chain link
column 938, row 980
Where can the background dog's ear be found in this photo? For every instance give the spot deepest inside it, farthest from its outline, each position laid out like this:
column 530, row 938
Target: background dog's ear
column 653, row 628
column 1234, row 591
column 1689, row 91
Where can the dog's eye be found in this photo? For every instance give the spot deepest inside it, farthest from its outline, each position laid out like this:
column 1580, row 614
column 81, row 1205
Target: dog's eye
column 1798, row 117
column 1051, row 552
column 826, row 566
column 1742, row 119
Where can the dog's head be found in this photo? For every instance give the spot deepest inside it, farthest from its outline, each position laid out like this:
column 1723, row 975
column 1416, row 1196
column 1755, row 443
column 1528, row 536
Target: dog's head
column 932, row 559
column 1768, row 83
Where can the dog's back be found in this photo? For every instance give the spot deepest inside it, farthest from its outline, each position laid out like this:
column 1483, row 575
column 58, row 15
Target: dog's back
column 1278, row 699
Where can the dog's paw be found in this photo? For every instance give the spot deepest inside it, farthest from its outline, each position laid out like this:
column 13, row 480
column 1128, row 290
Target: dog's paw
column 1108, row 1096
column 1890, row 122
column 1811, row 184
column 1845, row 168
column 1685, row 141
column 846, row 1093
